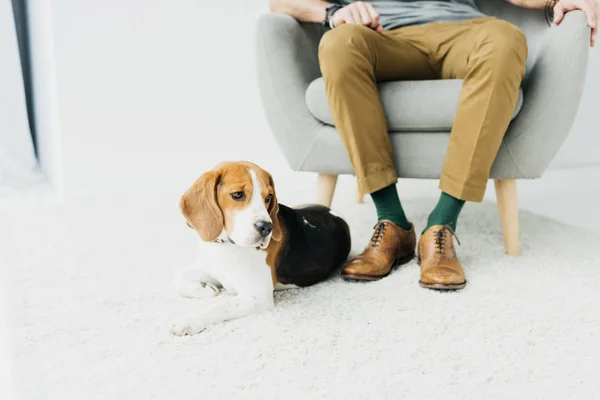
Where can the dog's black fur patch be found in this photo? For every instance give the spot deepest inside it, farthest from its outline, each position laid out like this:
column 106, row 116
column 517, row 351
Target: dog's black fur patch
column 317, row 243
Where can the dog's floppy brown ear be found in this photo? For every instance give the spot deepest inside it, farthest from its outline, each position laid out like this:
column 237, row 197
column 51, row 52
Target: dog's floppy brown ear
column 273, row 211
column 200, row 209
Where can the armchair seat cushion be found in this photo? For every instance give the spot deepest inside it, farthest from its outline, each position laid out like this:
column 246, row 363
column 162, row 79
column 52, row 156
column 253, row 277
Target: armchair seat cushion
column 410, row 106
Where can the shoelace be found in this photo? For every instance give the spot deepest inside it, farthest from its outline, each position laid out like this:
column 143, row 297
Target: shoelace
column 379, row 234
column 441, row 239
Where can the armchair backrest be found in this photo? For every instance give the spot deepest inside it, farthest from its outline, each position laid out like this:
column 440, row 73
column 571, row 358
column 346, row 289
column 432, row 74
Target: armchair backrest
column 532, row 22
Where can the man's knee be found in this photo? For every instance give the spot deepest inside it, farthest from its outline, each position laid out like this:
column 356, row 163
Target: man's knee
column 504, row 44
column 344, row 45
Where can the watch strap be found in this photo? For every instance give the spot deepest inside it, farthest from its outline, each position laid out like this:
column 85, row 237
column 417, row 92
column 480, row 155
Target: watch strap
column 329, row 11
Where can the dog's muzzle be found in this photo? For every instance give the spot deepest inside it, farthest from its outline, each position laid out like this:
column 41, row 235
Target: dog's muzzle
column 264, row 228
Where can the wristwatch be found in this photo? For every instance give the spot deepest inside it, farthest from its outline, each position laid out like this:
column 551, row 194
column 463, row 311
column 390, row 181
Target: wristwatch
column 329, row 11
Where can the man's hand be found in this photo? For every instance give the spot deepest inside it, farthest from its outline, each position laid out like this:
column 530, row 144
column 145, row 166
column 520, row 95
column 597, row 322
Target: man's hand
column 590, row 7
column 358, row 13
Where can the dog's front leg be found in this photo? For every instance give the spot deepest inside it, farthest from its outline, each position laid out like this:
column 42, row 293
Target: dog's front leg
column 195, row 283
column 231, row 308
column 255, row 294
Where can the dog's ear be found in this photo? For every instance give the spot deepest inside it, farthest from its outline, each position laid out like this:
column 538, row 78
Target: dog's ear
column 273, row 211
column 200, row 209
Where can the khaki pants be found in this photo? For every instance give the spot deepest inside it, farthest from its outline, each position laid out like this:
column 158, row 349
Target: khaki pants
column 487, row 53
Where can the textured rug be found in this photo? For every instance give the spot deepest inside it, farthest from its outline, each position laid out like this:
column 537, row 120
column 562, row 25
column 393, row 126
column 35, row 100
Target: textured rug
column 91, row 305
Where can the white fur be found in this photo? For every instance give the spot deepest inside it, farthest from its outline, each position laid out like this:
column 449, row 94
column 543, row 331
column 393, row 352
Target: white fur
column 238, row 268
column 243, row 271
column 285, row 286
column 243, row 232
column 194, row 283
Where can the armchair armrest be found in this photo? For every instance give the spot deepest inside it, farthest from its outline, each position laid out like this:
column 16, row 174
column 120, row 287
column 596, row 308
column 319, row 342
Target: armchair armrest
column 552, row 93
column 287, row 62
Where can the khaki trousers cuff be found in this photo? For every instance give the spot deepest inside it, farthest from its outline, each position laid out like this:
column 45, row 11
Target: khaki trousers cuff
column 376, row 181
column 461, row 190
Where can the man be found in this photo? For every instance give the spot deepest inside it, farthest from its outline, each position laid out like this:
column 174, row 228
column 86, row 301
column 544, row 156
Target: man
column 384, row 40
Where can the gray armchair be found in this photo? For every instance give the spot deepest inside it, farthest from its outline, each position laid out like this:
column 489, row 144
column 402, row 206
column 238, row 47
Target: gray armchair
column 420, row 113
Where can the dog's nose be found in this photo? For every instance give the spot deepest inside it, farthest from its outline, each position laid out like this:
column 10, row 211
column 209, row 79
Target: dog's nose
column 264, row 228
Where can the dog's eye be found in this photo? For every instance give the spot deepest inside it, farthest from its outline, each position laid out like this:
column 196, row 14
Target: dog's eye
column 268, row 198
column 238, row 196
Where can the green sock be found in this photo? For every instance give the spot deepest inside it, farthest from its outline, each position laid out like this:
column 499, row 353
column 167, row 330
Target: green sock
column 446, row 212
column 389, row 207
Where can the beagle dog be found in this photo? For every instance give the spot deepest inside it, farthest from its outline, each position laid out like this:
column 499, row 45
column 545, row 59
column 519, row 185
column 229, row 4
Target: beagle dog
column 250, row 244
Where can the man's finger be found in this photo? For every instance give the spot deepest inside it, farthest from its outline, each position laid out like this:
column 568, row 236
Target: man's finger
column 559, row 13
column 349, row 17
column 379, row 29
column 595, row 30
column 590, row 13
column 374, row 15
column 354, row 16
column 364, row 14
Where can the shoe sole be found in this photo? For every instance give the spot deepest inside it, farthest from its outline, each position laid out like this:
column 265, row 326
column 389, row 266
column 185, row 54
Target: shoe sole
column 369, row 278
column 442, row 287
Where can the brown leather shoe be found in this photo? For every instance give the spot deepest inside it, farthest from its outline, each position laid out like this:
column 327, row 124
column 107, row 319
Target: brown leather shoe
column 440, row 269
column 390, row 247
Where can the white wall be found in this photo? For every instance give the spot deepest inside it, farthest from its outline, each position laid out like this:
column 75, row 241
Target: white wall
column 45, row 88
column 583, row 145
column 144, row 85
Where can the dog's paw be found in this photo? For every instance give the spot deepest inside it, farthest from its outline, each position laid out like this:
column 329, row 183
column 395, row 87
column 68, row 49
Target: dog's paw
column 199, row 290
column 186, row 327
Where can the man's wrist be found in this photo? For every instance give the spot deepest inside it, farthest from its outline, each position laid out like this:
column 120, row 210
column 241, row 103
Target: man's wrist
column 549, row 10
column 329, row 12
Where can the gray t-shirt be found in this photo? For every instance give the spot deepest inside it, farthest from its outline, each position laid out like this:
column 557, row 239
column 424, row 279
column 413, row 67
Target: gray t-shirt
column 398, row 13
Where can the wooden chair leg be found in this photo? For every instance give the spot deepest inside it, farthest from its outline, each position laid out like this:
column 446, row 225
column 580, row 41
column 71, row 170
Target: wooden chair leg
column 360, row 198
column 325, row 188
column 506, row 194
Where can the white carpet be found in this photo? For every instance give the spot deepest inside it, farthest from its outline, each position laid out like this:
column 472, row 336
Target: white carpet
column 91, row 302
